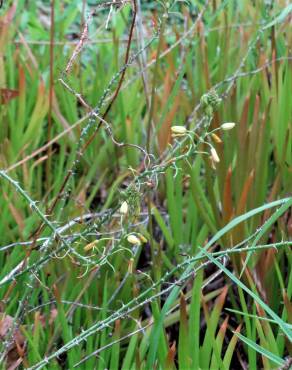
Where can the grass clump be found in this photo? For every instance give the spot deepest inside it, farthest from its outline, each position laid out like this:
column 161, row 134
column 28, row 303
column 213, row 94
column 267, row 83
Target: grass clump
column 145, row 155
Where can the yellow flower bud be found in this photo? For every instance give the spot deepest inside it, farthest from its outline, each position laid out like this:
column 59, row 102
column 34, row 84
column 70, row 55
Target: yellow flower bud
column 95, row 243
column 90, row 246
column 142, row 238
column 216, row 138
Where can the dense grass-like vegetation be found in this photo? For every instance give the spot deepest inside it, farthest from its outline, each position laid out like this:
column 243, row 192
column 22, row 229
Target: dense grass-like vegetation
column 146, row 177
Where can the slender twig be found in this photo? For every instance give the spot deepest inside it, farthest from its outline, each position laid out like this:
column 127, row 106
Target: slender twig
column 121, row 78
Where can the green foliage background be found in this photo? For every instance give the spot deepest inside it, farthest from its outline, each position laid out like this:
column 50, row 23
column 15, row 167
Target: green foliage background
column 210, row 286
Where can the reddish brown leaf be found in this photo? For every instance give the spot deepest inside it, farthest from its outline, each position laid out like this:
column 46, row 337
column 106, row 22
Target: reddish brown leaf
column 243, row 125
column 244, row 193
column 16, row 350
column 16, row 213
column 7, row 94
column 21, row 81
column 288, row 305
column 169, row 363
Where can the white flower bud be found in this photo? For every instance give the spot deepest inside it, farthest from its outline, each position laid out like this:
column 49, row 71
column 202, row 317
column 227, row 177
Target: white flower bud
column 142, row 238
column 124, row 208
column 214, row 155
column 132, row 239
column 178, row 130
column 228, row 126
